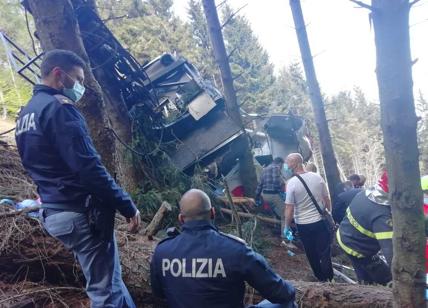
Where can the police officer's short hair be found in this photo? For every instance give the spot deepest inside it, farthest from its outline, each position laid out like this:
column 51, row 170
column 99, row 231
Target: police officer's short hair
column 278, row 160
column 64, row 59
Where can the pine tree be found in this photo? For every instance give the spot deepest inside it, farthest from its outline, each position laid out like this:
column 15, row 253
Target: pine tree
column 291, row 96
column 290, row 92
column 150, row 29
column 253, row 73
column 205, row 61
column 357, row 137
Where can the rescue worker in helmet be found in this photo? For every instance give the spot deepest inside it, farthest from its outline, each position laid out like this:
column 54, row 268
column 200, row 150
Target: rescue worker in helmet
column 366, row 230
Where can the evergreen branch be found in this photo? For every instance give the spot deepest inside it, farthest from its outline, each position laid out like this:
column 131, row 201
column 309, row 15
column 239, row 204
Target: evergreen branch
column 364, row 5
column 232, row 16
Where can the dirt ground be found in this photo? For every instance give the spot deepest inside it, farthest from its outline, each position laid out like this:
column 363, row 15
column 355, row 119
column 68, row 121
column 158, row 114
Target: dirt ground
column 295, row 267
column 290, row 267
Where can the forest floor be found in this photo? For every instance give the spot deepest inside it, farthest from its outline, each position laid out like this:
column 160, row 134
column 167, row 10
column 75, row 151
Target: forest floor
column 294, row 267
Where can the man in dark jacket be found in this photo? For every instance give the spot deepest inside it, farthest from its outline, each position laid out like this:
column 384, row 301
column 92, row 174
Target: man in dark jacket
column 366, row 230
column 202, row 267
column 342, row 203
column 58, row 154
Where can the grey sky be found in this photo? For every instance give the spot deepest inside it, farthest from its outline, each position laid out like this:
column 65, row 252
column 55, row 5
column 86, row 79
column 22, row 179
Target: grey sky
column 341, row 39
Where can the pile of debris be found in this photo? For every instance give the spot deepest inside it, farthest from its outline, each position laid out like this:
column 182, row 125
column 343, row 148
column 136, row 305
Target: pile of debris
column 14, row 184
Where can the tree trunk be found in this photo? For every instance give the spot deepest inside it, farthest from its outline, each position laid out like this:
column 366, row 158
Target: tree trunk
column 326, row 146
column 3, row 106
column 398, row 118
column 157, row 220
column 341, row 295
column 247, row 170
column 57, row 28
column 127, row 173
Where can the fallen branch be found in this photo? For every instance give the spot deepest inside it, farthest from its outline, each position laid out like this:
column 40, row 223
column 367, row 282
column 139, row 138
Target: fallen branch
column 238, row 200
column 248, row 215
column 156, row 223
column 232, row 206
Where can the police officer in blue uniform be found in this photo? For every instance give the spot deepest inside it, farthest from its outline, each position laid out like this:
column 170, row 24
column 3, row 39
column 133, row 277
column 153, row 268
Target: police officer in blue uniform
column 59, row 155
column 202, row 267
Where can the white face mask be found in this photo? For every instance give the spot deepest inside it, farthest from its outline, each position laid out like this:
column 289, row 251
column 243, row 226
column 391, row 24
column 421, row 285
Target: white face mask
column 76, row 92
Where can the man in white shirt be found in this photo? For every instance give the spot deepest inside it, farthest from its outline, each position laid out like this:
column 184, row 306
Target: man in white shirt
column 312, row 230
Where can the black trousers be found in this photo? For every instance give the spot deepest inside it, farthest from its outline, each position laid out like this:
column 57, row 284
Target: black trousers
column 371, row 270
column 316, row 241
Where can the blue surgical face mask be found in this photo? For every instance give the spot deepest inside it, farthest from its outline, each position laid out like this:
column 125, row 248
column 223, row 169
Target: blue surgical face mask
column 76, row 92
column 286, row 171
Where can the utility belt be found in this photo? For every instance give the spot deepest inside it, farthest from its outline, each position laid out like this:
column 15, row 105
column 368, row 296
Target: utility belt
column 271, row 192
column 100, row 215
column 55, row 208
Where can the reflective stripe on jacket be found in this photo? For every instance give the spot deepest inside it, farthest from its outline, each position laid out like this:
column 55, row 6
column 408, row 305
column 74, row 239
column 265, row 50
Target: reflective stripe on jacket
column 366, row 229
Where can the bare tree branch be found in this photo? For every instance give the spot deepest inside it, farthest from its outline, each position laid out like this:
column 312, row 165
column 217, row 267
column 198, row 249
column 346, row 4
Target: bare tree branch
column 233, row 15
column 231, row 53
column 413, row 2
column 364, row 5
column 115, row 17
column 239, row 75
column 414, row 61
column 221, row 3
column 418, row 23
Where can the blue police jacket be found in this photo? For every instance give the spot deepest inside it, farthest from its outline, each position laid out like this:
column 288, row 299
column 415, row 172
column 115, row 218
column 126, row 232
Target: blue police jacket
column 203, row 268
column 58, row 154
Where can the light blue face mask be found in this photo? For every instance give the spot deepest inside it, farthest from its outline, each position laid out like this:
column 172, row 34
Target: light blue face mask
column 75, row 93
column 286, row 171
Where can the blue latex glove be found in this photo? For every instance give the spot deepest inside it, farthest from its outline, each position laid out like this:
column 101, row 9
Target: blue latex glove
column 288, row 234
